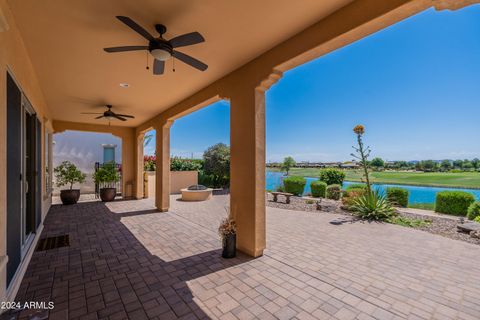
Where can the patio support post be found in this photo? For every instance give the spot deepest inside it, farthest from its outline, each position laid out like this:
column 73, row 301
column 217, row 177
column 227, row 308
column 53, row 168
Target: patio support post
column 247, row 169
column 128, row 161
column 139, row 167
column 162, row 173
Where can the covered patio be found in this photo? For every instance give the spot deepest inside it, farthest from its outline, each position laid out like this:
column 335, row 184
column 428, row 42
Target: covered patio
column 127, row 260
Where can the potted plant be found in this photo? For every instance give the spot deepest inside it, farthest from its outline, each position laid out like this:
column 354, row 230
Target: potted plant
column 106, row 176
column 67, row 173
column 228, row 233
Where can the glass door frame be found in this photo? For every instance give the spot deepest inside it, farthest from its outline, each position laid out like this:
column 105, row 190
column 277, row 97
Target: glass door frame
column 26, row 239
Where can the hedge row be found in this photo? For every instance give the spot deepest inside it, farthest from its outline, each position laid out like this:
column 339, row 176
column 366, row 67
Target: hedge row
column 454, row 202
column 332, row 176
column 397, row 196
column 294, row 185
column 474, row 211
column 334, row 191
column 319, row 189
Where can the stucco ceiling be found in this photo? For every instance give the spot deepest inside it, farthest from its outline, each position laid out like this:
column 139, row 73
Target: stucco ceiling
column 65, row 41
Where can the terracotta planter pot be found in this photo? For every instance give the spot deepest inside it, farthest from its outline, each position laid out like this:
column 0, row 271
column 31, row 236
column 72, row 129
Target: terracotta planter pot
column 229, row 246
column 108, row 194
column 69, row 196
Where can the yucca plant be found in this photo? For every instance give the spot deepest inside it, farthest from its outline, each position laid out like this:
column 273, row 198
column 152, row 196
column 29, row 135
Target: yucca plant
column 372, row 206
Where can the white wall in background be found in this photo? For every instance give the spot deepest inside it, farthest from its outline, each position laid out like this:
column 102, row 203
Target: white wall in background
column 83, row 149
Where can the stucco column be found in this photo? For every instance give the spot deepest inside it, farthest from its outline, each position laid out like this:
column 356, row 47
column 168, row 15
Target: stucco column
column 247, row 169
column 139, row 167
column 162, row 174
column 128, row 160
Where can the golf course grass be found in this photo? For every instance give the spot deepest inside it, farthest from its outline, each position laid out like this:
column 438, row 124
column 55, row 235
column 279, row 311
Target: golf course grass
column 469, row 180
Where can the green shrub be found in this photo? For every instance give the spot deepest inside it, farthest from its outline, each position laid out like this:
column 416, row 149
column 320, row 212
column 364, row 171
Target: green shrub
column 294, row 185
column 349, row 196
column 213, row 181
column 332, row 176
column 356, row 186
column 474, row 210
column 456, row 171
column 334, row 191
column 373, row 206
column 477, row 219
column 216, row 160
column 205, row 179
column 421, row 205
column 398, row 196
column 408, row 222
column 68, row 174
column 319, row 189
column 107, row 175
column 179, row 164
column 453, row 202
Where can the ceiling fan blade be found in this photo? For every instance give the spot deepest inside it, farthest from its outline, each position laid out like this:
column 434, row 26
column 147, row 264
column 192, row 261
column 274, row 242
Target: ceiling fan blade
column 125, row 116
column 118, row 117
column 158, row 66
column 91, row 112
column 187, row 39
column 136, row 27
column 125, row 48
column 99, row 117
column 190, row 60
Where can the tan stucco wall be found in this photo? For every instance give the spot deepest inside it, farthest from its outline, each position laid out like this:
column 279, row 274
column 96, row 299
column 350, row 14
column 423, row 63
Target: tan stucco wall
column 149, row 184
column 182, row 179
column 14, row 58
column 178, row 180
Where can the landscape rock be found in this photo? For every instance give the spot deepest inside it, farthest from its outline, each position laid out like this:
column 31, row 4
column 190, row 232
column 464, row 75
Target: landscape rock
column 475, row 234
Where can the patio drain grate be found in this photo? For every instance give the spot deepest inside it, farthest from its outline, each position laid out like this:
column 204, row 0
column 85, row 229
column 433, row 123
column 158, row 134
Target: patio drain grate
column 53, row 242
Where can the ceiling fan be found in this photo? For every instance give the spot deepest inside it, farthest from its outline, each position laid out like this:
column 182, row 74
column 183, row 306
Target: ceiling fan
column 160, row 48
column 110, row 115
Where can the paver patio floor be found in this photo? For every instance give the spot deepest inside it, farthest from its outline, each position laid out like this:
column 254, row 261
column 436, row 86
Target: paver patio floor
column 125, row 260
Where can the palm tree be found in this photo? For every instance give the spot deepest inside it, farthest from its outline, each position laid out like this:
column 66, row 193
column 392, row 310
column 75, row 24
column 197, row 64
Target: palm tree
column 147, row 138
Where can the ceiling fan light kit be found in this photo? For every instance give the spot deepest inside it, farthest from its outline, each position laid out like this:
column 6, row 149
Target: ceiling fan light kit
column 161, row 54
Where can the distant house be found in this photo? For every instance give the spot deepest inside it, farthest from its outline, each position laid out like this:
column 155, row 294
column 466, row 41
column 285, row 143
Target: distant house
column 350, row 165
column 332, row 164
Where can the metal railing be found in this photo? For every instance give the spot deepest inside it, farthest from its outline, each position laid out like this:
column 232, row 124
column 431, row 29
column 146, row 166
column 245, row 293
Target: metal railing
column 118, row 185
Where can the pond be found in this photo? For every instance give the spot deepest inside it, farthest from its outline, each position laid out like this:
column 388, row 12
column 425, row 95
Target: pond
column 417, row 194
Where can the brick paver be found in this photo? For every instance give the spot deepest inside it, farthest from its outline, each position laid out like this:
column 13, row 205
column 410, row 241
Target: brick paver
column 127, row 261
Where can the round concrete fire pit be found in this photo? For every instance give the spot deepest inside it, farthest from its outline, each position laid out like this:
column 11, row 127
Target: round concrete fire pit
column 196, row 193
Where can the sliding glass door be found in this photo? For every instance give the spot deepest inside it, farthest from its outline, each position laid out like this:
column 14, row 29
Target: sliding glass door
column 23, row 176
column 29, row 171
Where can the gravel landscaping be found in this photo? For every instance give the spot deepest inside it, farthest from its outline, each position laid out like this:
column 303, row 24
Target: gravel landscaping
column 446, row 227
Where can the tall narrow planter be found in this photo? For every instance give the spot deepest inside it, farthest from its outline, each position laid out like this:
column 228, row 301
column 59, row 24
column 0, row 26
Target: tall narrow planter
column 229, row 246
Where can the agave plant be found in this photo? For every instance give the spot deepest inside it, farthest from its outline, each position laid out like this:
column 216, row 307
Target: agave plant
column 372, row 206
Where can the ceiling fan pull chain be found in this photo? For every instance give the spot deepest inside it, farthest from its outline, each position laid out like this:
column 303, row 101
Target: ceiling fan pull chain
column 173, row 61
column 148, row 68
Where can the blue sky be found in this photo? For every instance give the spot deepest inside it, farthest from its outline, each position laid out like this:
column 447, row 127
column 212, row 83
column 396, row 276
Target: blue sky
column 415, row 86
